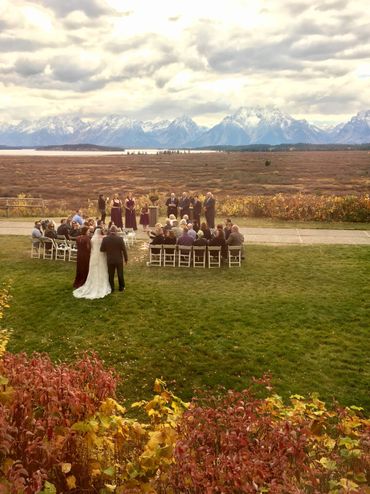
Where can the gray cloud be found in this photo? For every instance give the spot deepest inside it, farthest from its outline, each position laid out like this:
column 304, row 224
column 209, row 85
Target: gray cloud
column 27, row 67
column 72, row 72
column 13, row 44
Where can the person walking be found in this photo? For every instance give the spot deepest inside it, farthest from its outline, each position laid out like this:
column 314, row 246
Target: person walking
column 116, row 251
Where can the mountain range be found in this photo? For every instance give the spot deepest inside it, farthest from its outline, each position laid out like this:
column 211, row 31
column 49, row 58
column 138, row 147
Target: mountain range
column 249, row 125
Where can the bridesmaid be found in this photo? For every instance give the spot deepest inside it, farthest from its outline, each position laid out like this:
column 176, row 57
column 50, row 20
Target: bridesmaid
column 144, row 217
column 130, row 214
column 116, row 211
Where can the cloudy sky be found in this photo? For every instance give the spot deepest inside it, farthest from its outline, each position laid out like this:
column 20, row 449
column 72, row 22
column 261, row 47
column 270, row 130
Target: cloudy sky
column 160, row 59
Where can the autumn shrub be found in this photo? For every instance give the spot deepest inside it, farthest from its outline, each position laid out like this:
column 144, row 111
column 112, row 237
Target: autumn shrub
column 39, row 404
column 238, row 443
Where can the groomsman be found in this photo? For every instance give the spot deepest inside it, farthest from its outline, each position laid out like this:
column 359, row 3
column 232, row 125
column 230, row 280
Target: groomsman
column 197, row 209
column 172, row 204
column 184, row 205
column 210, row 209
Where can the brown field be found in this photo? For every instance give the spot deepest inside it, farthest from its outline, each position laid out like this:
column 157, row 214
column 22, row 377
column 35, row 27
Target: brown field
column 75, row 179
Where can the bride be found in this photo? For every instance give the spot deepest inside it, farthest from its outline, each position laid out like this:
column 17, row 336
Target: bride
column 97, row 282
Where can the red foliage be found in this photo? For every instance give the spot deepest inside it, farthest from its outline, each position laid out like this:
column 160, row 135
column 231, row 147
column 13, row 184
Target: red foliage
column 239, row 443
column 46, row 400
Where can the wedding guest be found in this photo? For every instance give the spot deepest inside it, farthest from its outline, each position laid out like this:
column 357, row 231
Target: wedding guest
column 36, row 233
column 75, row 230
column 83, row 244
column 191, row 231
column 219, row 239
column 172, row 205
column 200, row 241
column 158, row 239
column 78, row 217
column 130, row 213
column 169, row 237
column 185, row 218
column 210, row 209
column 167, row 225
column 50, row 231
column 227, row 229
column 177, row 230
column 172, row 218
column 206, row 231
column 235, row 237
column 144, row 217
column 157, row 228
column 197, row 209
column 185, row 238
column 116, row 212
column 116, row 251
column 184, row 205
column 63, row 228
column 102, row 204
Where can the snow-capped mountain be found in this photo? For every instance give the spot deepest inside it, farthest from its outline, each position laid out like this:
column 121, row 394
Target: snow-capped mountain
column 261, row 126
column 356, row 131
column 255, row 125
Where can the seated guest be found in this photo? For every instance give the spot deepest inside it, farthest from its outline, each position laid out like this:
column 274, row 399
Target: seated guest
column 191, row 231
column 235, row 237
column 75, row 230
column 50, row 233
column 167, row 225
column 206, row 231
column 172, row 218
column 78, row 217
column 158, row 238
column 227, row 229
column 36, row 233
column 157, row 228
column 185, row 238
column 219, row 239
column 200, row 241
column 63, row 228
column 177, row 230
column 186, row 219
column 169, row 237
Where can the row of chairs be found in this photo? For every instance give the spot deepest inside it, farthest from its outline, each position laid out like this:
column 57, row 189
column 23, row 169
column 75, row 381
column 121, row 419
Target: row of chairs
column 192, row 256
column 62, row 249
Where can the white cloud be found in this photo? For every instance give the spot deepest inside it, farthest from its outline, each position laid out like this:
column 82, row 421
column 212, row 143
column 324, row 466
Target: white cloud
column 170, row 57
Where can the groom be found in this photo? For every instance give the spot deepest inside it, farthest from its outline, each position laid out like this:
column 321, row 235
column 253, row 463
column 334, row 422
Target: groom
column 115, row 248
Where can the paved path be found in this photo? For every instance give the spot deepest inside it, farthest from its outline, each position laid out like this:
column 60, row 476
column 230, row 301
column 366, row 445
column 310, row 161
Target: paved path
column 252, row 235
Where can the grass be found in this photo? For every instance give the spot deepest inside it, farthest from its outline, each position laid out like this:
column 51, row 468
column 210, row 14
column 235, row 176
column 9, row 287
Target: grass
column 301, row 312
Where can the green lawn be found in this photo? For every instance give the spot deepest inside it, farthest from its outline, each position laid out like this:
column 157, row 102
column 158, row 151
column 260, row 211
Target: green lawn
column 301, row 312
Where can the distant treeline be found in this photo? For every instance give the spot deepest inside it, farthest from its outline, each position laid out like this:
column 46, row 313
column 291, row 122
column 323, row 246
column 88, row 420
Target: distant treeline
column 290, row 147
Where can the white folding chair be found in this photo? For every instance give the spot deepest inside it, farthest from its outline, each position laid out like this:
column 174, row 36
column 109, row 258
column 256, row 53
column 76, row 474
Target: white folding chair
column 234, row 255
column 36, row 248
column 199, row 256
column 184, row 256
column 61, row 249
column 214, row 256
column 169, row 255
column 72, row 250
column 155, row 255
column 47, row 248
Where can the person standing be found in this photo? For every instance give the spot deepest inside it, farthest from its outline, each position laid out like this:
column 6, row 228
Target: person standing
column 197, row 209
column 102, row 204
column 210, row 209
column 144, row 217
column 116, row 211
column 172, row 204
column 184, row 205
column 116, row 251
column 130, row 213
column 83, row 244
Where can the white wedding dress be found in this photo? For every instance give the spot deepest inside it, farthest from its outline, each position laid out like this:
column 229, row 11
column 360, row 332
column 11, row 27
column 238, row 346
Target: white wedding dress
column 97, row 282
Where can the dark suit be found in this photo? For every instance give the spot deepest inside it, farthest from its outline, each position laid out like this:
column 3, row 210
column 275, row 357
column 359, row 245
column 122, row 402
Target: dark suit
column 115, row 248
column 197, row 209
column 172, row 205
column 210, row 211
column 184, row 206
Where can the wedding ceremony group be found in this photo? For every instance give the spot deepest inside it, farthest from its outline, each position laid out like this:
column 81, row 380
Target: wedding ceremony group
column 101, row 249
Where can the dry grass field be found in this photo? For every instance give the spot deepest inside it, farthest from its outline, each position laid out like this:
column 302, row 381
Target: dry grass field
column 76, row 178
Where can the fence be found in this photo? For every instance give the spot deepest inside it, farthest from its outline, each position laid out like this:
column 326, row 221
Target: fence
column 22, row 205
